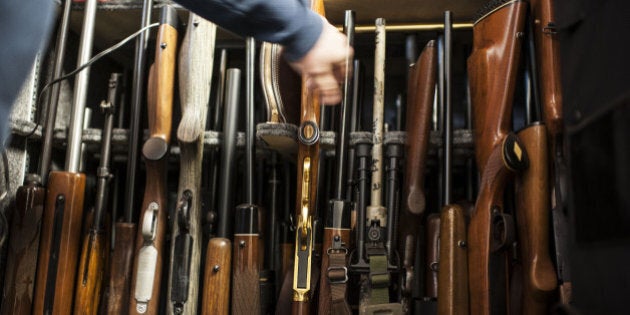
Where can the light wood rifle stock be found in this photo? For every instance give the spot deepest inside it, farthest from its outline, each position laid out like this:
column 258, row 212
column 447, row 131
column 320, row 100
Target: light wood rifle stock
column 539, row 277
column 246, row 263
column 217, row 275
column 149, row 255
column 95, row 252
column 195, row 75
column 421, row 90
column 492, row 69
column 433, row 247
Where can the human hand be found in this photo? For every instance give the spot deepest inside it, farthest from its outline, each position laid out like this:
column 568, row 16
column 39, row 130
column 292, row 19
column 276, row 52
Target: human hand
column 324, row 66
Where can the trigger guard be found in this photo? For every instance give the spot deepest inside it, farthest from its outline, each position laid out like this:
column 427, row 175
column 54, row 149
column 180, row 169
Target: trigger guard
column 149, row 222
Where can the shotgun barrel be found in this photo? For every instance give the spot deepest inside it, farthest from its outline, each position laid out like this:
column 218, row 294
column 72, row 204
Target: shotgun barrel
column 217, row 273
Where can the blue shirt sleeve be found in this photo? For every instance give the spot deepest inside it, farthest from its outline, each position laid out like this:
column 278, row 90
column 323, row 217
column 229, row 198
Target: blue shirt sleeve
column 287, row 22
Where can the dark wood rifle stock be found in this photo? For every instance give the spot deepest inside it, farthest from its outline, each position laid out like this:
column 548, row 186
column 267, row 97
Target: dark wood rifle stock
column 24, row 238
column 62, row 218
column 539, row 277
column 307, row 170
column 195, row 75
column 433, row 258
column 149, row 254
column 95, row 250
column 421, row 90
column 452, row 296
column 217, row 273
column 492, row 69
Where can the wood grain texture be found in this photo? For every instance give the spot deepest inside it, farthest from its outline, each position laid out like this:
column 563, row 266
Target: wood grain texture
column 196, row 58
column 72, row 187
column 120, row 269
column 548, row 59
column 533, row 204
column 245, row 275
column 453, row 266
column 21, row 265
column 159, row 110
column 90, row 274
column 216, row 288
column 492, row 69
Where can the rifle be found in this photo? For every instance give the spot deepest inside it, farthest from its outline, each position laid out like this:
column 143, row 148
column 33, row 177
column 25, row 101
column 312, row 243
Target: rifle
column 452, row 274
column 95, row 245
column 307, row 170
column 61, row 220
column 499, row 153
column 216, row 298
column 332, row 290
column 547, row 56
column 125, row 231
column 421, row 90
column 195, row 75
column 149, row 253
column 24, row 238
column 379, row 256
column 246, row 263
column 533, row 201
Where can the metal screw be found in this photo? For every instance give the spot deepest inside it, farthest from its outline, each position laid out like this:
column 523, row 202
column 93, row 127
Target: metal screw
column 462, row 244
column 216, row 268
column 163, row 45
column 241, row 244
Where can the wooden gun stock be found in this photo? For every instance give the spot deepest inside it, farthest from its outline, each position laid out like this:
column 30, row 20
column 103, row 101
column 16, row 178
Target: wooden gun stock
column 95, row 252
column 421, row 89
column 195, row 75
column 539, row 276
column 216, row 281
column 452, row 294
column 23, row 248
column 492, row 69
column 120, row 269
column 147, row 270
column 59, row 245
column 246, row 263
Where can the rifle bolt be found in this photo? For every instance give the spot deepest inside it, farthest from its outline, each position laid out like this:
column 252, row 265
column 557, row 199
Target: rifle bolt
column 241, row 244
column 216, row 268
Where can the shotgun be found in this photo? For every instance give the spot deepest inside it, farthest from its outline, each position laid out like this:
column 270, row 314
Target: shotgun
column 421, row 91
column 63, row 212
column 452, row 273
column 24, row 238
column 548, row 60
column 499, row 153
column 149, row 252
column 333, row 281
column 539, row 280
column 125, row 230
column 217, row 272
column 95, row 245
column 246, row 262
column 195, row 75
column 307, row 170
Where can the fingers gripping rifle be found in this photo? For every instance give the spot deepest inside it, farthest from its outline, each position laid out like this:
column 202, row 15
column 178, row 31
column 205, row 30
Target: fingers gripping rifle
column 492, row 69
column 147, row 270
column 195, row 75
